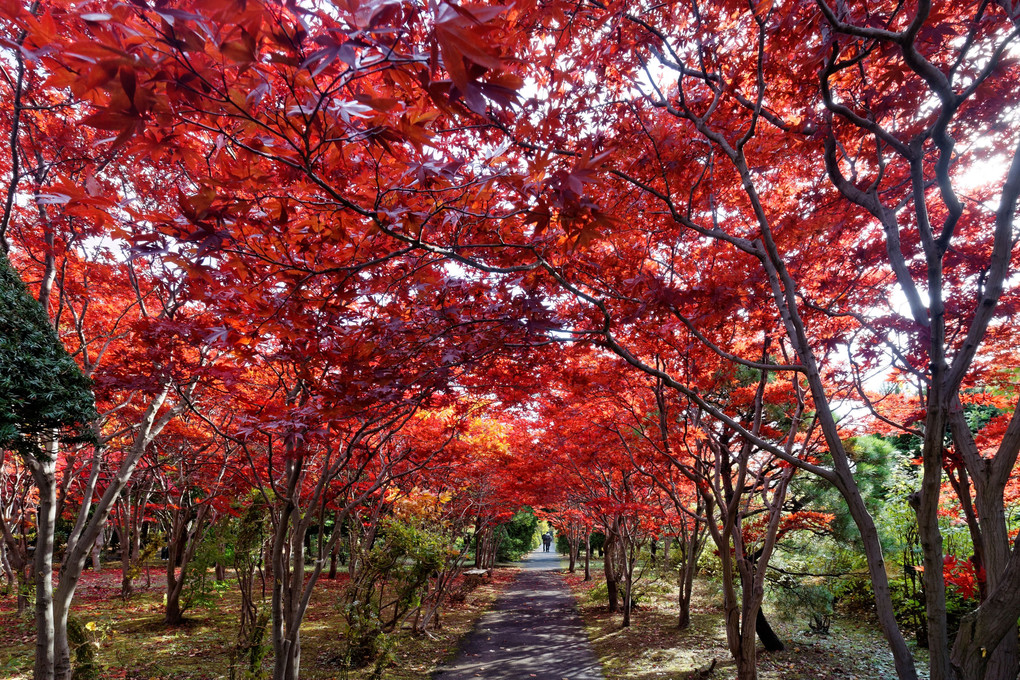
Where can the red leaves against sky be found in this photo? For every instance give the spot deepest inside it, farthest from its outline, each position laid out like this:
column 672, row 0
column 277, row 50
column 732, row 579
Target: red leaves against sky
column 300, row 195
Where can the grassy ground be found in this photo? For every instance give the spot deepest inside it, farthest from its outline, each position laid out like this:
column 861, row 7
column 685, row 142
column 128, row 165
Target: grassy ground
column 134, row 643
column 654, row 649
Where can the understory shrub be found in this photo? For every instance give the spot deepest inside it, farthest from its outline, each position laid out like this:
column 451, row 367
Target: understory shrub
column 517, row 537
column 808, row 598
column 390, row 584
column 853, row 595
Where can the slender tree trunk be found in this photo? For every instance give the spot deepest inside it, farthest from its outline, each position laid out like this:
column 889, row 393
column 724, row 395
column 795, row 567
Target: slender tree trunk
column 587, row 556
column 925, row 504
column 692, row 551
column 44, row 473
column 609, row 568
column 282, row 548
column 89, row 525
column 333, row 560
column 628, row 550
column 479, row 542
column 183, row 545
column 20, row 566
column 751, row 596
column 10, row 575
column 97, row 554
column 731, row 611
column 291, row 667
column 127, row 555
column 281, row 646
column 172, row 614
column 683, row 620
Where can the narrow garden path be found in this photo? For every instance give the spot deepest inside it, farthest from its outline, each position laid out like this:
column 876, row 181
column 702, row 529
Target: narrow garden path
column 533, row 631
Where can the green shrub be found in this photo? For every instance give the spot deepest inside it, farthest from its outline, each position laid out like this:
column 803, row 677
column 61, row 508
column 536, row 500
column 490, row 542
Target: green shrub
column 854, row 595
column 806, row 598
column 517, row 537
column 403, row 559
column 599, row 594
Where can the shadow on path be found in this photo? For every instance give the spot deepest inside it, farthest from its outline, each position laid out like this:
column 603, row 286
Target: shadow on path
column 533, row 631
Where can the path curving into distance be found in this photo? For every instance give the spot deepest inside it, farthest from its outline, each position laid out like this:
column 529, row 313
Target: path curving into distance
column 532, row 631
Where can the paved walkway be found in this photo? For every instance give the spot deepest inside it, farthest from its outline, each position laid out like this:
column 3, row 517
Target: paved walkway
column 533, row 631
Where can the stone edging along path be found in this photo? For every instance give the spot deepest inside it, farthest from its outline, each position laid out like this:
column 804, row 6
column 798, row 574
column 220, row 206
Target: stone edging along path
column 532, row 631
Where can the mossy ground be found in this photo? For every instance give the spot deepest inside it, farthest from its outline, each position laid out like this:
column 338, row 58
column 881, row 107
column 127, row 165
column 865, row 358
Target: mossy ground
column 653, row 648
column 134, row 643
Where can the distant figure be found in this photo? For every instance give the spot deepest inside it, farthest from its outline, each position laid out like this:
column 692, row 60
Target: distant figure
column 546, row 541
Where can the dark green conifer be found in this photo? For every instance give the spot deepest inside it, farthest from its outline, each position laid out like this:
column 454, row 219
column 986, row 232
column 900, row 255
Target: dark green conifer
column 42, row 389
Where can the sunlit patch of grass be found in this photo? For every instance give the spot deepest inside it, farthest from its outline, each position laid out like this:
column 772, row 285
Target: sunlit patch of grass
column 654, row 649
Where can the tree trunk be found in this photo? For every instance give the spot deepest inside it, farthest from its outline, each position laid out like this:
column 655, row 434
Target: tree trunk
column 747, row 661
column 609, row 568
column 44, row 473
column 89, row 524
column 172, row 613
column 1004, row 660
column 5, row 564
column 183, row 545
column 767, row 636
column 731, row 607
column 982, row 630
column 288, row 569
column 587, row 556
column 333, row 560
column 614, row 596
column 683, row 619
column 22, row 581
column 479, row 542
column 752, row 593
column 692, row 552
column 686, row 590
column 628, row 579
column 925, row 503
column 97, row 554
column 126, row 553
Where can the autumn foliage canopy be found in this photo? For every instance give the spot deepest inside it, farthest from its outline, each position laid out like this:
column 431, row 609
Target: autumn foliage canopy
column 641, row 266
